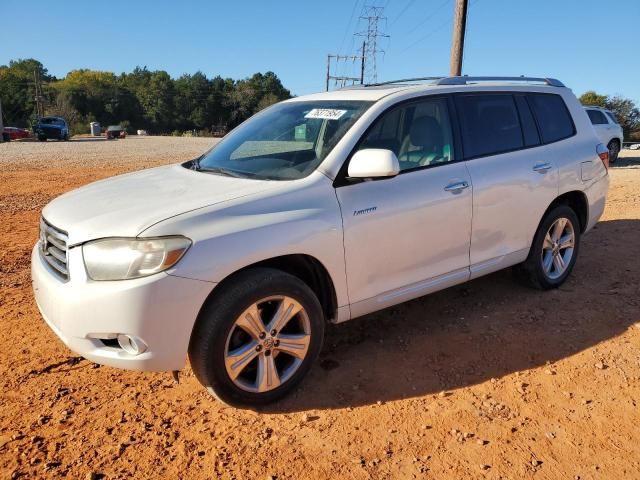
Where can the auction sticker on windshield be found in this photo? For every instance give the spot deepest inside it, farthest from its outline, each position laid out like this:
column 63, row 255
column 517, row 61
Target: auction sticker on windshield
column 325, row 113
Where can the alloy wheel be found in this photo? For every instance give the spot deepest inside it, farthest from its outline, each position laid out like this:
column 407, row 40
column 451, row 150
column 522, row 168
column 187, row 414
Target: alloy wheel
column 557, row 248
column 267, row 344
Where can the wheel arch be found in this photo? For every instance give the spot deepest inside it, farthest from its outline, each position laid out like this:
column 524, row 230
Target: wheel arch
column 302, row 266
column 578, row 202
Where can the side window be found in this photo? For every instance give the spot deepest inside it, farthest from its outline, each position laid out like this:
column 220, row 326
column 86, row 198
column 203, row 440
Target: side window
column 554, row 120
column 490, row 124
column 597, row 117
column 419, row 133
column 531, row 137
column 612, row 118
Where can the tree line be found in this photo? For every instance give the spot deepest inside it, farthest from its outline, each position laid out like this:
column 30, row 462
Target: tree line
column 143, row 99
column 154, row 101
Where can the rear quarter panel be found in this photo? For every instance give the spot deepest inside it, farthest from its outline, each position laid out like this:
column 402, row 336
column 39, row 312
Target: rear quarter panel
column 579, row 167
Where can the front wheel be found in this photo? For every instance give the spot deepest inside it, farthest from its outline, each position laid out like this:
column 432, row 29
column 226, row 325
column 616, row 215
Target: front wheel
column 554, row 250
column 257, row 337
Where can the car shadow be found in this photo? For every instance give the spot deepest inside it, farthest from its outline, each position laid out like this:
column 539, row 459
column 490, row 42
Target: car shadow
column 486, row 329
column 628, row 158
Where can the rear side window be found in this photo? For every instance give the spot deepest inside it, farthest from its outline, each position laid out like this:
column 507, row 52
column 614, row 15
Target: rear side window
column 554, row 120
column 490, row 124
column 597, row 117
column 612, row 117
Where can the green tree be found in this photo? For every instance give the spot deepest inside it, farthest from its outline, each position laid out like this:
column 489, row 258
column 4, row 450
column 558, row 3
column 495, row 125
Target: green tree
column 17, row 90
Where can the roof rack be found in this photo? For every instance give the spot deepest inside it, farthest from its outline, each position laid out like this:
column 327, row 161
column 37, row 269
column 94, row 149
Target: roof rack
column 463, row 80
column 403, row 80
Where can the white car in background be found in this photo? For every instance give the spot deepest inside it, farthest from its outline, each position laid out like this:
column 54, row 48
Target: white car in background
column 607, row 128
column 318, row 209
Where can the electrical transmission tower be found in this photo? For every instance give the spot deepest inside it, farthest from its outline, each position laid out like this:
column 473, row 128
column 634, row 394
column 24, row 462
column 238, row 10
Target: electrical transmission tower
column 373, row 15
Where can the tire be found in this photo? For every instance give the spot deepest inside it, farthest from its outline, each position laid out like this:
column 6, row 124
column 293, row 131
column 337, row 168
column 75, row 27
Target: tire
column 614, row 150
column 66, row 137
column 42, row 138
column 533, row 270
column 217, row 334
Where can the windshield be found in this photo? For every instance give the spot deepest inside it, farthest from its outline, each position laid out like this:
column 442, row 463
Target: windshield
column 51, row 121
column 285, row 142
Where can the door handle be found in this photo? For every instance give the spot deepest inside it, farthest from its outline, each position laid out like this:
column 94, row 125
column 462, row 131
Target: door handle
column 542, row 167
column 456, row 187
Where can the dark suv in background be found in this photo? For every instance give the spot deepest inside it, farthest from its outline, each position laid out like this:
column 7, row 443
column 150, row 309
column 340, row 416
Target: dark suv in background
column 51, row 127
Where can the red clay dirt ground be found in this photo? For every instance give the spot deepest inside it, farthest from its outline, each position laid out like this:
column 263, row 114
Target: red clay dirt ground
column 484, row 380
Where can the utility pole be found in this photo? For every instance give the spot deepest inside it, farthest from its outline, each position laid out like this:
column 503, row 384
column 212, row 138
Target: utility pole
column 364, row 46
column 373, row 16
column 457, row 42
column 38, row 94
column 343, row 79
column 1, row 124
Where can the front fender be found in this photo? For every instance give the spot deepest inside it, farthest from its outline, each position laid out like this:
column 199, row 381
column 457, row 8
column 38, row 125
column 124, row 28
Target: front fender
column 301, row 218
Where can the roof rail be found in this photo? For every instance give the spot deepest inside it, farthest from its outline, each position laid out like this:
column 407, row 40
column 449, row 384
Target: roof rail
column 403, row 80
column 463, row 80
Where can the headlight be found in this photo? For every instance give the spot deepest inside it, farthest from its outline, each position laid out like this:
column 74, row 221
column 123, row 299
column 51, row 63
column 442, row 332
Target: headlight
column 125, row 258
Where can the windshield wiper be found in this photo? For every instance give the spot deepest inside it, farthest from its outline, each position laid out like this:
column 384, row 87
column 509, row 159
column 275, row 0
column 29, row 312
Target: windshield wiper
column 195, row 163
column 220, row 171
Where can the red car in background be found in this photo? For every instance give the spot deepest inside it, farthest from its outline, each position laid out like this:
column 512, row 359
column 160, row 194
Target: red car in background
column 15, row 133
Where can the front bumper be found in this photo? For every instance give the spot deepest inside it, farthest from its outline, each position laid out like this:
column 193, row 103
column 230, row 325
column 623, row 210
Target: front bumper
column 49, row 133
column 160, row 309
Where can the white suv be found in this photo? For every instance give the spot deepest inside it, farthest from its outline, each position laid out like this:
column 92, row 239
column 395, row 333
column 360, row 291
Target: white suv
column 607, row 128
column 319, row 209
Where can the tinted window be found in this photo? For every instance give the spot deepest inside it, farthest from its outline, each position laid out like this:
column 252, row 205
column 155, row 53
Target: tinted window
column 490, row 124
column 419, row 133
column 529, row 129
column 597, row 117
column 612, row 117
column 554, row 121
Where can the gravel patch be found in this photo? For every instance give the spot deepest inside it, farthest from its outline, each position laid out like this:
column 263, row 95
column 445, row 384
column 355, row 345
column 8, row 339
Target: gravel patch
column 84, row 152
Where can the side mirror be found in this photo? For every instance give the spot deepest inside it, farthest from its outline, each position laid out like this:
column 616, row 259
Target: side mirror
column 373, row 163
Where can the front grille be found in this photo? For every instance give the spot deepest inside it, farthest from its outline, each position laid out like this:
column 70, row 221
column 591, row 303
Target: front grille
column 53, row 248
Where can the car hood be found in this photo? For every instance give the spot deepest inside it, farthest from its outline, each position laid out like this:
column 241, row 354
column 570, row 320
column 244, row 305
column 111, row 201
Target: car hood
column 126, row 205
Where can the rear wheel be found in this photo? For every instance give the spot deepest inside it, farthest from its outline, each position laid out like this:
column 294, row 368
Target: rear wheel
column 42, row 138
column 257, row 337
column 614, row 150
column 554, row 250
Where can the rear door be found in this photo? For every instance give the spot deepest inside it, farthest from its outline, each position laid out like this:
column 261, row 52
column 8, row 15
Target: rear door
column 513, row 172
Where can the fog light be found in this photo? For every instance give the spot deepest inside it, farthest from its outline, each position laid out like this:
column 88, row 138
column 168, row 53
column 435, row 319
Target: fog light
column 132, row 345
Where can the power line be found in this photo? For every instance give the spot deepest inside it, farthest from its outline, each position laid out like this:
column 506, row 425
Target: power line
column 402, row 12
column 431, row 32
column 430, row 16
column 346, row 30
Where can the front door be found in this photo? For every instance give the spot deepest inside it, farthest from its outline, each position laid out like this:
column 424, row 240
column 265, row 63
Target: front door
column 408, row 235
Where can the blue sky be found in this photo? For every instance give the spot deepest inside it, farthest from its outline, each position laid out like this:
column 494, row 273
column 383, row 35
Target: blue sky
column 588, row 44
